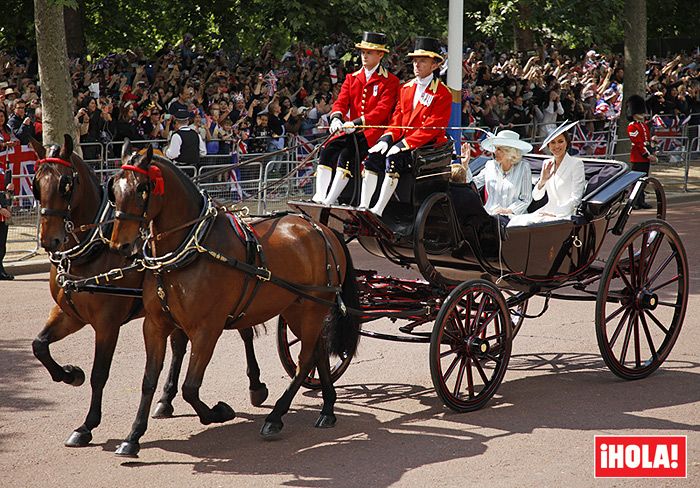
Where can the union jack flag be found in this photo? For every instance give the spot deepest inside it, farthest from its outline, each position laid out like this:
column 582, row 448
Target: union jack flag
column 21, row 160
column 590, row 143
column 669, row 132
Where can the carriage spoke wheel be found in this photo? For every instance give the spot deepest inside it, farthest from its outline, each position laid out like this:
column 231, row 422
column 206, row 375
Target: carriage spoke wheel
column 470, row 345
column 288, row 348
column 642, row 299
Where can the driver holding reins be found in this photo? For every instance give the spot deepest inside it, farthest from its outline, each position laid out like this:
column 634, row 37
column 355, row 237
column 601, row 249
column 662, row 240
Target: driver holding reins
column 424, row 102
column 367, row 97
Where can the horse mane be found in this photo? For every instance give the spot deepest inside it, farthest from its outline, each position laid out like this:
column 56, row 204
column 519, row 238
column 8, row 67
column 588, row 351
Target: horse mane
column 190, row 187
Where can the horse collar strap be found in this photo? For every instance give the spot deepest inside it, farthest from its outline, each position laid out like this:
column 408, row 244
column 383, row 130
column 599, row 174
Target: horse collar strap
column 154, row 176
column 60, row 161
column 85, row 247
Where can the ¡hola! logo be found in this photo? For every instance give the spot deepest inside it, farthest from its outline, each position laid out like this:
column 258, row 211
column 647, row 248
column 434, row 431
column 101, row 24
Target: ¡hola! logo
column 640, row 456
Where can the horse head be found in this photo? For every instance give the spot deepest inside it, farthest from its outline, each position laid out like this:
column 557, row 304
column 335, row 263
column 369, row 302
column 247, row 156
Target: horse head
column 134, row 191
column 54, row 187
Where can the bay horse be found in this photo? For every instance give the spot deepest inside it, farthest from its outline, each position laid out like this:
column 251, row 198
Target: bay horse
column 71, row 196
column 202, row 278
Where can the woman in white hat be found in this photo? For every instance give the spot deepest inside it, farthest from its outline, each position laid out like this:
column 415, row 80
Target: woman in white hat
column 563, row 180
column 507, row 181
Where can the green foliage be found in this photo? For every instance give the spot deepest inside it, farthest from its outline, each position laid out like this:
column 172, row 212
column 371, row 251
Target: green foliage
column 247, row 24
column 573, row 23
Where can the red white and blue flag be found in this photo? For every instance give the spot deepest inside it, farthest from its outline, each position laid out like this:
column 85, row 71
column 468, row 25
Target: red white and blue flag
column 21, row 160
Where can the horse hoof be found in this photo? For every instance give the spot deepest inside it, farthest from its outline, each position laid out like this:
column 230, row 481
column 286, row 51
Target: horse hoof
column 325, row 421
column 163, row 411
column 78, row 439
column 74, row 375
column 222, row 413
column 258, row 396
column 128, row 449
column 271, row 430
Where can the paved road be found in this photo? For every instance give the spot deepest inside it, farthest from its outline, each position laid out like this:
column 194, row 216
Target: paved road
column 392, row 429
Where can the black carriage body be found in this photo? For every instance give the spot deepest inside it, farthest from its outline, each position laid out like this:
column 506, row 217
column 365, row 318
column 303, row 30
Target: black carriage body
column 540, row 256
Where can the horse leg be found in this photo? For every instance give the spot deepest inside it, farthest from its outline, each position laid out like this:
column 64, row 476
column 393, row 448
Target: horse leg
column 327, row 417
column 155, row 336
column 58, row 326
column 258, row 390
column 105, row 343
column 273, row 422
column 202, row 349
column 178, row 345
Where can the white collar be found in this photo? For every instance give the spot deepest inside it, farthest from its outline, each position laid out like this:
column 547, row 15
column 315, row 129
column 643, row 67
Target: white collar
column 370, row 72
column 423, row 82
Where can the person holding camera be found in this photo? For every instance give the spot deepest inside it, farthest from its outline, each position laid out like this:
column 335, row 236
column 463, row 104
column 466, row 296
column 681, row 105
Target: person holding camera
column 367, row 97
column 21, row 125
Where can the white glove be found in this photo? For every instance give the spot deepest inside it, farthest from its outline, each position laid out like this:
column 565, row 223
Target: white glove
column 336, row 125
column 349, row 127
column 379, row 147
column 393, row 150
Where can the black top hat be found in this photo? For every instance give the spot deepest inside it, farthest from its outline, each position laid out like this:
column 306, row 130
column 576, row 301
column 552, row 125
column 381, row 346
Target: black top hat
column 427, row 46
column 374, row 41
column 635, row 106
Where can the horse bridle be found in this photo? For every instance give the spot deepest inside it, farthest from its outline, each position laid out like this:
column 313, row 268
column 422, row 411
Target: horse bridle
column 66, row 184
column 144, row 188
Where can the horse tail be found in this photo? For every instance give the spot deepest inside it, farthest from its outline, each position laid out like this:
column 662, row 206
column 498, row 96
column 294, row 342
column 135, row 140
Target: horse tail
column 343, row 323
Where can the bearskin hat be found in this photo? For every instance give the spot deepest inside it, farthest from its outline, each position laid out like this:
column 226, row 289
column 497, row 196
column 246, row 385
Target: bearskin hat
column 635, row 105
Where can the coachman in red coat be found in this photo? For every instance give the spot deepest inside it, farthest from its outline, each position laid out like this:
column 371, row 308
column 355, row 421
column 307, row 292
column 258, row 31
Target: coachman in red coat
column 423, row 102
column 367, row 97
column 642, row 150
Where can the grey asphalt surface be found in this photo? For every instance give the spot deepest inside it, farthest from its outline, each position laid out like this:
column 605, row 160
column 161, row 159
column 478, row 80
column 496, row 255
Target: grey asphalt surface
column 392, row 429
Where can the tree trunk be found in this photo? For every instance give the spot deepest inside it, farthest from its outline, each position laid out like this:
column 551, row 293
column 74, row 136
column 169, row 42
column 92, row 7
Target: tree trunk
column 523, row 38
column 75, row 34
column 635, row 20
column 56, row 92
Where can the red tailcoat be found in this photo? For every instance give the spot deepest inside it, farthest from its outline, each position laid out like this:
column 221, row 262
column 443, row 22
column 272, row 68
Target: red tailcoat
column 432, row 110
column 368, row 102
column 640, row 137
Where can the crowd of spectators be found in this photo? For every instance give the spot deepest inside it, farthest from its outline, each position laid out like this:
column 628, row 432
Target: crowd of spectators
column 255, row 103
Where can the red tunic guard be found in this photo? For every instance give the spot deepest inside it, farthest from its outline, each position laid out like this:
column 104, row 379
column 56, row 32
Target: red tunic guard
column 367, row 102
column 640, row 138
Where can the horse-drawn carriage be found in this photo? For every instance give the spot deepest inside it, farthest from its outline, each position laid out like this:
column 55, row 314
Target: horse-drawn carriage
column 477, row 282
column 478, row 277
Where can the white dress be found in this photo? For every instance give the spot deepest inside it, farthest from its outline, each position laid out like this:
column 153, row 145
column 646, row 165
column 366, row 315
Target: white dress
column 512, row 189
column 564, row 191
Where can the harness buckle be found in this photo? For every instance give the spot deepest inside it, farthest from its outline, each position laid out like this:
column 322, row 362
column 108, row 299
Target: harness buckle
column 266, row 276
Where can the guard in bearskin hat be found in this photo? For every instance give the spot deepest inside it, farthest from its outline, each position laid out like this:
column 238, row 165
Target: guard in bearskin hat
column 367, row 97
column 423, row 102
column 642, row 150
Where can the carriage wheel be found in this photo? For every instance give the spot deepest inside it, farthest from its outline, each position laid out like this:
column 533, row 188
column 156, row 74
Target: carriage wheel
column 642, row 299
column 470, row 345
column 433, row 234
column 288, row 347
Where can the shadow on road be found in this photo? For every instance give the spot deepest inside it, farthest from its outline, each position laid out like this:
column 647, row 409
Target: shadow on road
column 568, row 391
column 17, row 392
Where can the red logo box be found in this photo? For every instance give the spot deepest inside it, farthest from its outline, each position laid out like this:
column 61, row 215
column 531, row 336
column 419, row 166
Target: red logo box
column 643, row 456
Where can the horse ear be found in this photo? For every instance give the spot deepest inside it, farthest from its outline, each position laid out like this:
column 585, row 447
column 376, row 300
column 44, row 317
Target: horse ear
column 126, row 150
column 38, row 147
column 67, row 148
column 147, row 158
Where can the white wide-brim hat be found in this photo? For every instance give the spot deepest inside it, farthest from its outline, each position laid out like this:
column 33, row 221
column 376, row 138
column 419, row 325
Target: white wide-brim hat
column 564, row 127
column 506, row 138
